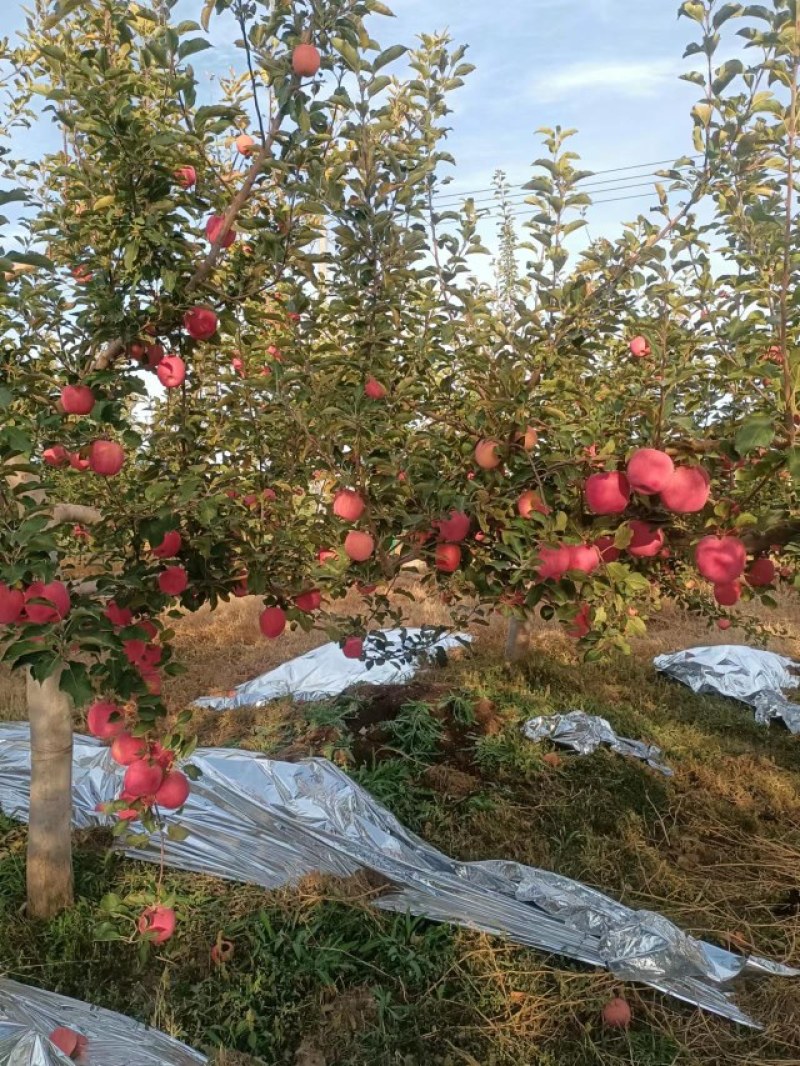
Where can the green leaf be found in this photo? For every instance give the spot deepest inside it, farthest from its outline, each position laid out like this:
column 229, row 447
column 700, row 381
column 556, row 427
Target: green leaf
column 692, row 9
column 377, row 8
column 75, row 682
column 33, row 259
column 389, row 55
column 793, row 462
column 756, row 432
column 190, row 48
column 725, row 75
column 12, row 196
column 727, row 11
column 177, row 832
column 348, row 54
column 6, row 396
column 62, row 9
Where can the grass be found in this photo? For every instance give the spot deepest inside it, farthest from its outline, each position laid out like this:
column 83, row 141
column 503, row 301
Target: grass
column 321, row 978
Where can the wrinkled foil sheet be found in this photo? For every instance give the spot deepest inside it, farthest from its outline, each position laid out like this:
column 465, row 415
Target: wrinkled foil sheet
column 270, row 823
column 585, row 733
column 28, row 1015
column 391, row 656
column 750, row 675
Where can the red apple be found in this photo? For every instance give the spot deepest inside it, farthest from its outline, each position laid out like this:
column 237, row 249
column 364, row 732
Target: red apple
column 486, row 454
column 118, row 616
column 724, row 623
column 727, row 593
column 580, row 624
column 453, row 528
column 617, row 1014
column 173, row 791
column 639, row 347
column 348, row 505
column 647, row 541
column 142, row 778
column 528, row 439
column 358, row 546
column 687, row 490
column 134, row 650
column 529, row 502
column 240, row 589
column 57, row 455
column 761, row 573
column 720, row 559
column 171, row 371
column 173, row 581
column 308, row 601
column 608, row 493
column 77, row 399
column 72, row 1044
column 214, row 229
column 151, row 355
column 200, row 323
column 127, row 749
column 353, row 648
column 82, row 275
column 54, row 610
column 609, row 553
column 245, row 144
column 649, row 470
column 448, row 558
column 77, row 461
column 106, row 457
column 157, row 923
column 105, row 720
column 272, row 622
column 583, row 557
column 554, row 562
column 12, row 603
column 326, row 555
column 306, row 60
column 238, row 365
column 222, row 952
column 169, row 546
column 374, row 390
column 185, row 176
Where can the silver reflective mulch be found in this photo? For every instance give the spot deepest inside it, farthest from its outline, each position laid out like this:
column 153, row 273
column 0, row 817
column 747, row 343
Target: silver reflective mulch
column 28, row 1016
column 750, row 675
column 585, row 733
column 258, row 820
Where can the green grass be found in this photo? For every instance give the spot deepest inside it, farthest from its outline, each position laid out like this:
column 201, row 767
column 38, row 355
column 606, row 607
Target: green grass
column 716, row 848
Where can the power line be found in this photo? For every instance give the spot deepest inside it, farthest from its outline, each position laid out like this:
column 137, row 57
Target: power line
column 520, row 201
column 611, row 200
column 458, row 196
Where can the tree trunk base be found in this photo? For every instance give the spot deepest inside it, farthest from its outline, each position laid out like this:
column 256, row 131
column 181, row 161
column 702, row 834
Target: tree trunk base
column 517, row 641
column 49, row 860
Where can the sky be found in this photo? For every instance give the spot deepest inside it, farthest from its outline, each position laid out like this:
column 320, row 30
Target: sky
column 607, row 67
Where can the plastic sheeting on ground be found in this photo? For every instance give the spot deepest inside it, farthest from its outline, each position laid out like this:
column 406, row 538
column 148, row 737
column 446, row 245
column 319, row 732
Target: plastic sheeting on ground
column 254, row 819
column 392, row 656
column 28, row 1016
column 753, row 676
column 585, row 733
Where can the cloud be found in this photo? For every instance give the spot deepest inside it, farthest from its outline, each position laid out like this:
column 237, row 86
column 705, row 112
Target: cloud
column 615, row 78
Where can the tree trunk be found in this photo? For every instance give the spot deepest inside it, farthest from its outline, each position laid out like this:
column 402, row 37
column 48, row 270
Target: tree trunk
column 50, row 820
column 516, row 641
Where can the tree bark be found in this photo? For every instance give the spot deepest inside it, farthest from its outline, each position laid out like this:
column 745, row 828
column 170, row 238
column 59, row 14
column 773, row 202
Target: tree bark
column 49, row 869
column 516, row 640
